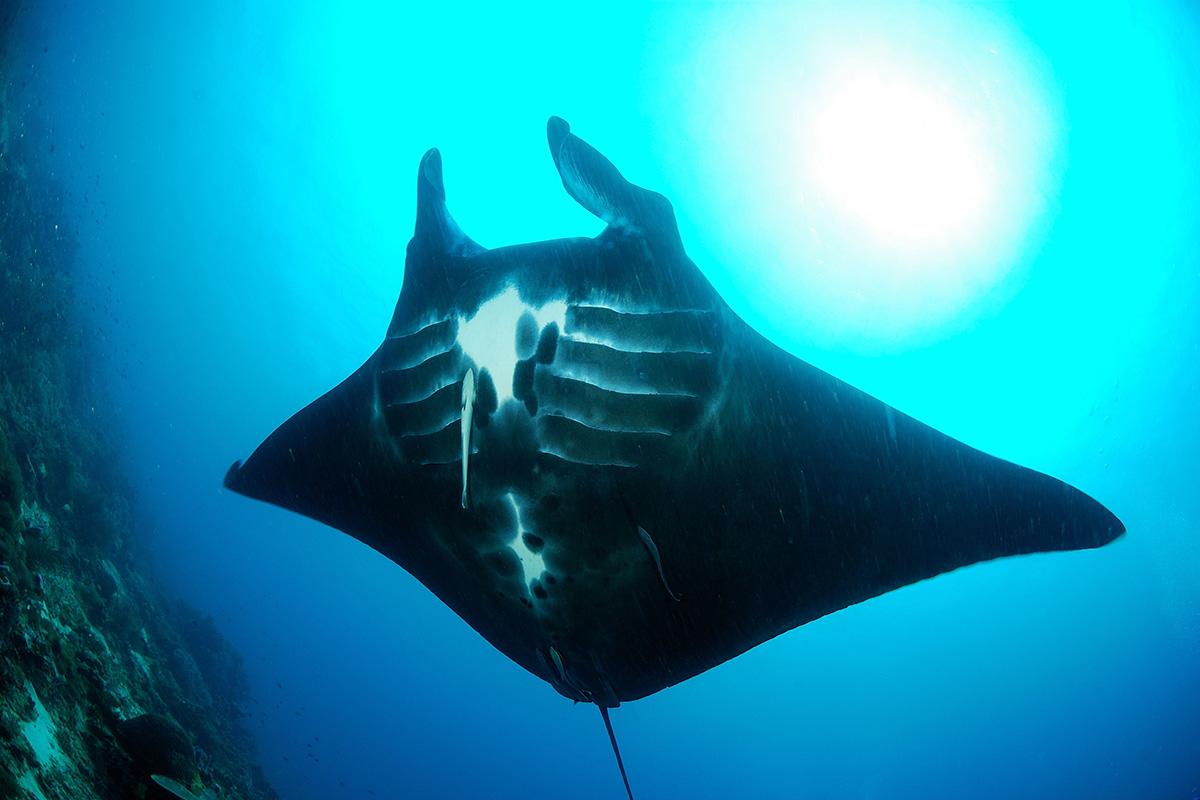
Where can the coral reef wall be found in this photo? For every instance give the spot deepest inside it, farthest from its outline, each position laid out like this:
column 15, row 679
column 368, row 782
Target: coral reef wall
column 105, row 680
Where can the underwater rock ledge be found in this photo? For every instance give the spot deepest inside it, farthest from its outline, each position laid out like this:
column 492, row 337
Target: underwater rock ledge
column 105, row 680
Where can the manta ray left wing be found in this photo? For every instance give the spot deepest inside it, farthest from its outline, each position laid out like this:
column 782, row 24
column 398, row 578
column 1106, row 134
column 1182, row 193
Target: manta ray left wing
column 584, row 452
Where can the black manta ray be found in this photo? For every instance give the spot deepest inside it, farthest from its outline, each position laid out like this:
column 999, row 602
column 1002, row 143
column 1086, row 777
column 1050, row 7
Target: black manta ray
column 591, row 459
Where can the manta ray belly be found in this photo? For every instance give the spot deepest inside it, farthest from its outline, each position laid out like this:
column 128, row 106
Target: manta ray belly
column 496, row 337
column 499, row 337
column 587, row 396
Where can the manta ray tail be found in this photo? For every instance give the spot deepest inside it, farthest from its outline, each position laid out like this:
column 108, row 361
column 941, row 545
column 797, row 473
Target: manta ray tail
column 612, row 737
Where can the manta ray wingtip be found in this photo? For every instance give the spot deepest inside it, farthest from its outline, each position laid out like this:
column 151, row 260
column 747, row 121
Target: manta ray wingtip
column 231, row 475
column 1071, row 519
column 1116, row 528
column 1100, row 520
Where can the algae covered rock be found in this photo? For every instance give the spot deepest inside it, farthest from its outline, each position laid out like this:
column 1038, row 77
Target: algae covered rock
column 85, row 625
column 157, row 745
column 11, row 489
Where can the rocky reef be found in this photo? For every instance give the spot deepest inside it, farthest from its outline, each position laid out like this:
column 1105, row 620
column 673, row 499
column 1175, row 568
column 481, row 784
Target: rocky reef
column 105, row 679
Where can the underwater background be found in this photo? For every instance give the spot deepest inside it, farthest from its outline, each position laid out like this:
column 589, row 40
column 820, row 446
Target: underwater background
column 999, row 237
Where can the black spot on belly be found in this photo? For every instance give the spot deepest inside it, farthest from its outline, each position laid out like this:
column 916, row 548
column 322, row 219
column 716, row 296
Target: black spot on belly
column 523, row 382
column 527, row 335
column 550, row 579
column 539, row 591
column 486, row 400
column 547, row 344
column 534, row 542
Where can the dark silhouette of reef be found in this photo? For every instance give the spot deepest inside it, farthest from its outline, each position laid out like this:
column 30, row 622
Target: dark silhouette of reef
column 105, row 680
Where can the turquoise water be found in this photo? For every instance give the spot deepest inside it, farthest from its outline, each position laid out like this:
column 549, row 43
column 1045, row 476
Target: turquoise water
column 242, row 179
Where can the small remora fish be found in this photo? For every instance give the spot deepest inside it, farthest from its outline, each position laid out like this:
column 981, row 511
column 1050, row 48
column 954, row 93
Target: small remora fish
column 653, row 550
column 468, row 412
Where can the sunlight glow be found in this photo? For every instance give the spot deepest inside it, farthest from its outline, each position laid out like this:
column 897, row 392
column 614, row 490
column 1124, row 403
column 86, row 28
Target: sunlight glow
column 899, row 158
column 902, row 164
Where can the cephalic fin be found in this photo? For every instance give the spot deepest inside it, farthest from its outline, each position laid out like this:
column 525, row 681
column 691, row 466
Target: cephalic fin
column 599, row 187
column 436, row 229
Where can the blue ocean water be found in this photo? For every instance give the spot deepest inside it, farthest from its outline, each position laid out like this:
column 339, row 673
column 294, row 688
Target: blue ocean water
column 242, row 179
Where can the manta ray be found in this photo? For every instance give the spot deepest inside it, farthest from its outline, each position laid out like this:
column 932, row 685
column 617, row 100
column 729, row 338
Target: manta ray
column 585, row 453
